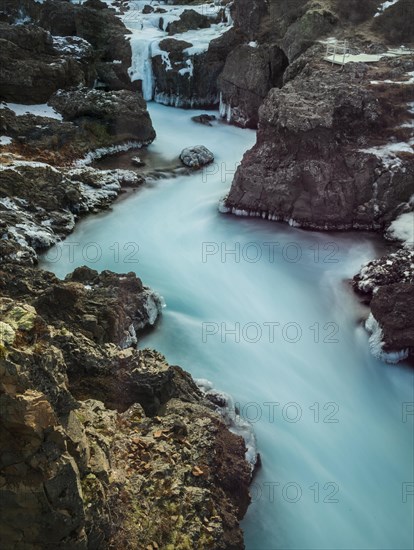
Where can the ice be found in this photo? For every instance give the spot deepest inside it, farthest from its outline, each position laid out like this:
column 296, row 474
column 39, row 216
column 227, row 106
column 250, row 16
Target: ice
column 42, row 109
column 397, row 82
column 141, row 68
column 376, row 343
column 188, row 70
column 105, row 151
column 148, row 30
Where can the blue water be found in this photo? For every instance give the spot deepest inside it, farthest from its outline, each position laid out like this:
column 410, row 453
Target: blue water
column 328, row 417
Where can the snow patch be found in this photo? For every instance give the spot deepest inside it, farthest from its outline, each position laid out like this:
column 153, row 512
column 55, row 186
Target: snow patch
column 388, row 152
column 384, row 6
column 5, row 140
column 43, row 110
column 72, row 45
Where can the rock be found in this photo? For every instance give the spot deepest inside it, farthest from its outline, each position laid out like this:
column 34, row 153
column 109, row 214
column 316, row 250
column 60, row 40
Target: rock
column 204, row 119
column 394, row 24
column 60, row 197
column 191, row 81
column 313, row 165
column 136, row 161
column 196, row 157
column 31, row 70
column 147, row 9
column 387, row 285
column 189, row 20
column 80, row 461
column 99, row 26
column 119, row 113
column 248, row 75
column 397, row 267
column 392, row 307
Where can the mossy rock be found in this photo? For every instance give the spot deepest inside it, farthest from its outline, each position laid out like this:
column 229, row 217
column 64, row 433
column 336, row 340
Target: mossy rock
column 7, row 334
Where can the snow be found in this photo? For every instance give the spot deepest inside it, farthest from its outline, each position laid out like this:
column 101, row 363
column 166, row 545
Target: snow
column 18, row 163
column 5, row 140
column 72, row 45
column 402, row 229
column 388, row 152
column 385, row 6
column 42, row 109
column 398, row 82
column 188, row 70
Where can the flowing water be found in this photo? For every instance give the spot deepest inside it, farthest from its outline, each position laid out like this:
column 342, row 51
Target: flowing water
column 264, row 312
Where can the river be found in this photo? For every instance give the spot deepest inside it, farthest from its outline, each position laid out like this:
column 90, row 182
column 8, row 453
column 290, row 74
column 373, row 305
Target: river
column 264, row 311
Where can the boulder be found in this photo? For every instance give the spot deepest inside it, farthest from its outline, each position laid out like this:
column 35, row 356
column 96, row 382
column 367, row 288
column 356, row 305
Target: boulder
column 31, row 69
column 117, row 113
column 189, row 20
column 316, row 163
column 204, row 119
column 196, row 156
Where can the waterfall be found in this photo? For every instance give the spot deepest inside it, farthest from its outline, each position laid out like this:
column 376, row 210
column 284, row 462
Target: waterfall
column 141, row 67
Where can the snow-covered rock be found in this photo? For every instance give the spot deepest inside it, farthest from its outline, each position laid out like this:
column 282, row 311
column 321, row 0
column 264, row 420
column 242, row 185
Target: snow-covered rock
column 196, row 156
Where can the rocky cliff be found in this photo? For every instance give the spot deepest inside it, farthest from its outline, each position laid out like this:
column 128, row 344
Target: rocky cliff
column 326, row 155
column 105, row 446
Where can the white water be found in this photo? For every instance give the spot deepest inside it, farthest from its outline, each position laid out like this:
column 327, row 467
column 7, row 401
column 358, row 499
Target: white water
column 368, row 453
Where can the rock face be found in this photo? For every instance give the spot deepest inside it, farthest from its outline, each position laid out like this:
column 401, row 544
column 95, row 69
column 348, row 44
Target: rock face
column 94, row 22
column 86, row 476
column 248, row 75
column 316, row 162
column 197, row 156
column 387, row 284
column 31, row 69
column 191, row 80
column 64, row 45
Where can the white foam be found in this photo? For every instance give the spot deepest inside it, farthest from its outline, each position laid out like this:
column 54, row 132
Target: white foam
column 376, row 343
column 402, row 229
